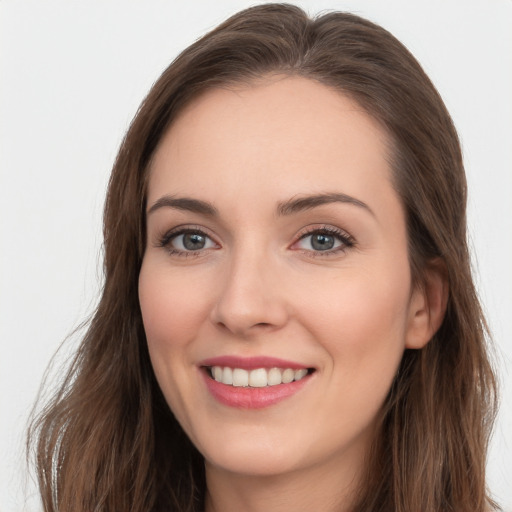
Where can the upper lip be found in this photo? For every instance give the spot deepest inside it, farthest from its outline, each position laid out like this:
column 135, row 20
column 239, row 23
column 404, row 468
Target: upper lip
column 251, row 363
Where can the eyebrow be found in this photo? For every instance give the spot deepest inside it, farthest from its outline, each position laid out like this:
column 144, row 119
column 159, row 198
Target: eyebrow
column 312, row 201
column 284, row 208
column 184, row 203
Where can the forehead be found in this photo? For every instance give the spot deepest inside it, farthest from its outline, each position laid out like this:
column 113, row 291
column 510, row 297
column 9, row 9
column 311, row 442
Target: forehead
column 291, row 134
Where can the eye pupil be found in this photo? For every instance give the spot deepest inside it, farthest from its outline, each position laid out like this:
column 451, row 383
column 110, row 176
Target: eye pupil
column 193, row 241
column 322, row 242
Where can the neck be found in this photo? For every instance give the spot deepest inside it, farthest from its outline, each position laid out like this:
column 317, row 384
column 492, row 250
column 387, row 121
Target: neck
column 317, row 488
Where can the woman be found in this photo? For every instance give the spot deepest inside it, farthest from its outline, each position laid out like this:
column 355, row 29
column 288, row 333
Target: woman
column 288, row 319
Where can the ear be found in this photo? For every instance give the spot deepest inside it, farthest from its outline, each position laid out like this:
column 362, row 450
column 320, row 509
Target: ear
column 427, row 306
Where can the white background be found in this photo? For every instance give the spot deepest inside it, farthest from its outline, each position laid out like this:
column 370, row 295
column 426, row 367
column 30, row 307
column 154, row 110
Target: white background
column 72, row 74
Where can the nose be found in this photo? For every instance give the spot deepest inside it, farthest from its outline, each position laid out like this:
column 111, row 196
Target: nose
column 251, row 298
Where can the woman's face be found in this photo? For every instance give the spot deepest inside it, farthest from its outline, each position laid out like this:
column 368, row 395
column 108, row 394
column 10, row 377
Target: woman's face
column 276, row 251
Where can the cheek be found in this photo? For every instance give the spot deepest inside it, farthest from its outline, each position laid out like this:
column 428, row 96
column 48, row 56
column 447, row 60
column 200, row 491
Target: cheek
column 172, row 310
column 361, row 321
column 172, row 307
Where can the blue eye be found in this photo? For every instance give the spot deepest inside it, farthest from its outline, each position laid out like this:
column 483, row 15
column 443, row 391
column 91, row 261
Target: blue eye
column 187, row 241
column 324, row 240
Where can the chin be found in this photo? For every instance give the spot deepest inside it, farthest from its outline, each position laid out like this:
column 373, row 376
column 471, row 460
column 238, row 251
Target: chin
column 254, row 461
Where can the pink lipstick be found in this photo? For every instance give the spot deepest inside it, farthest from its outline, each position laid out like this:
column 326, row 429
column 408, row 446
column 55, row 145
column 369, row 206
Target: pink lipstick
column 255, row 382
column 250, row 363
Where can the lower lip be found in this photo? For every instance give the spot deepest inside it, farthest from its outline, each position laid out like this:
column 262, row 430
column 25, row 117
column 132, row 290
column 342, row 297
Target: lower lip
column 252, row 398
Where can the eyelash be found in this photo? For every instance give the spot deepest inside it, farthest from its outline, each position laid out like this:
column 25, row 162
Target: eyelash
column 165, row 241
column 347, row 241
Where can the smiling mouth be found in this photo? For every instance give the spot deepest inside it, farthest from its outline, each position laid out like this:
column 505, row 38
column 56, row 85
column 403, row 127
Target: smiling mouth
column 258, row 377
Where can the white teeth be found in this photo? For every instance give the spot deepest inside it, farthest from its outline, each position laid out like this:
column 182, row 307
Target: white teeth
column 300, row 373
column 240, row 377
column 258, row 378
column 217, row 373
column 274, row 377
column 227, row 375
column 288, row 376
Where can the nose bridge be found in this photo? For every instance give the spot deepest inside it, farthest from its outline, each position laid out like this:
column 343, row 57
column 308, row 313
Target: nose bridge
column 249, row 295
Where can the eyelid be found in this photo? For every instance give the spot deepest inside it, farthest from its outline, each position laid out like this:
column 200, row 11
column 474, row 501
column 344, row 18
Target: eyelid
column 346, row 239
column 164, row 239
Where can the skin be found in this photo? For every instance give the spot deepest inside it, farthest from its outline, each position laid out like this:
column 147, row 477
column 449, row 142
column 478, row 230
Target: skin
column 260, row 288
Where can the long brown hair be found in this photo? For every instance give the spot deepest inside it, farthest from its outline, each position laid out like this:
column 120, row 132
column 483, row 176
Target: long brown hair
column 108, row 441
